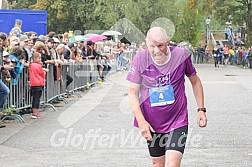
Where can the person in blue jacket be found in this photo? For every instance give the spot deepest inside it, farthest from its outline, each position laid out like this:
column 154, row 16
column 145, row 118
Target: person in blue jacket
column 18, row 88
column 15, row 57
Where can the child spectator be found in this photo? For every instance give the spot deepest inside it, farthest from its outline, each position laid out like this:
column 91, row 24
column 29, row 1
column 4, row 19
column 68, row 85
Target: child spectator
column 37, row 82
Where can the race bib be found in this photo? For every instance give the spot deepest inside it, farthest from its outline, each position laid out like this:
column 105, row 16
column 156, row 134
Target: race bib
column 160, row 96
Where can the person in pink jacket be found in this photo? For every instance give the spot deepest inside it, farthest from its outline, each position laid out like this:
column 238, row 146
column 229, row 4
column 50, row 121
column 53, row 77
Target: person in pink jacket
column 37, row 82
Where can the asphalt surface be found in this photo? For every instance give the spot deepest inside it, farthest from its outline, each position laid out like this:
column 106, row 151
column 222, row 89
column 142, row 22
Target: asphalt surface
column 96, row 130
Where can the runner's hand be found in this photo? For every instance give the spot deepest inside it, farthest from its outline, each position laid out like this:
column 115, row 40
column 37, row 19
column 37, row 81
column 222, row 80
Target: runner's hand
column 202, row 119
column 145, row 129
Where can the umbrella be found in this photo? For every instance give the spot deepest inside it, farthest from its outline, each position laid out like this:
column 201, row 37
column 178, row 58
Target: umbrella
column 80, row 38
column 111, row 33
column 89, row 35
column 96, row 38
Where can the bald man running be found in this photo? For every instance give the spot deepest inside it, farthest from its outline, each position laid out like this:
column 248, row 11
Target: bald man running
column 157, row 75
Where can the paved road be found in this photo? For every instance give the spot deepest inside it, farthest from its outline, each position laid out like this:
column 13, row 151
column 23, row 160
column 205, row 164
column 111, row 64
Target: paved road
column 96, row 130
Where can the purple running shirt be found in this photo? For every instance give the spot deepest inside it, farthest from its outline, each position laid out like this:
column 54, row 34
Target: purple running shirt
column 149, row 75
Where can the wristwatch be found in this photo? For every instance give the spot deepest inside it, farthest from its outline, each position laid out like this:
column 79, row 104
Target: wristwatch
column 202, row 109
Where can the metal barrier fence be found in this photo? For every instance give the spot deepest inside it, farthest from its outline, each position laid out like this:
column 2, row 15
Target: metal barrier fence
column 124, row 59
column 84, row 74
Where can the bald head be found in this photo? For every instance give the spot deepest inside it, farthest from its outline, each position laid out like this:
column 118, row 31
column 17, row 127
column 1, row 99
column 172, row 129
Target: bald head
column 157, row 34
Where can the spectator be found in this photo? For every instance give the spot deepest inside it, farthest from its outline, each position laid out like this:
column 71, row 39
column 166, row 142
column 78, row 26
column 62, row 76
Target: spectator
column 16, row 30
column 51, row 48
column 207, row 54
column 244, row 58
column 60, row 54
column 45, row 58
column 32, row 35
column 66, row 37
column 37, row 82
column 66, row 40
column 4, row 90
column 68, row 55
column 200, row 52
column 15, row 57
column 221, row 55
column 122, row 60
column 51, row 34
column 60, row 36
column 231, row 54
column 7, row 74
column 24, row 43
column 226, row 31
column 83, row 52
column 14, row 41
column 91, row 54
column 58, row 62
column 69, row 51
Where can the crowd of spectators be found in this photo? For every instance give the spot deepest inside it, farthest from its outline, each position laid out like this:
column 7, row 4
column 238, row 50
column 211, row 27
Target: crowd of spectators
column 18, row 48
column 226, row 55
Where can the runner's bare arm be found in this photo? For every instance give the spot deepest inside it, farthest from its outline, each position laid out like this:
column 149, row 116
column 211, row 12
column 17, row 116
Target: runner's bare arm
column 197, row 90
column 134, row 101
column 144, row 126
column 199, row 96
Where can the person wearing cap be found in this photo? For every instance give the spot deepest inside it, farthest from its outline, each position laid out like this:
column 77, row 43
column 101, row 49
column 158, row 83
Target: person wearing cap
column 4, row 90
column 24, row 38
column 51, row 40
column 56, row 40
column 24, row 43
column 5, row 55
column 158, row 99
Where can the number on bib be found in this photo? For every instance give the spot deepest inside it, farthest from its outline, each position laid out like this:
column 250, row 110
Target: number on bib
column 161, row 96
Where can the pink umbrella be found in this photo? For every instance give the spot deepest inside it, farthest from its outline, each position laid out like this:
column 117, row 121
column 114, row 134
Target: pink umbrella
column 96, row 38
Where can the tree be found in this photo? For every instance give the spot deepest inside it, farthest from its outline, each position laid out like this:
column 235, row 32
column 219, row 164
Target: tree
column 237, row 11
column 187, row 20
column 64, row 15
column 17, row 4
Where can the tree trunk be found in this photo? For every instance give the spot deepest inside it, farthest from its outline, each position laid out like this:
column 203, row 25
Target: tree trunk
column 249, row 25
